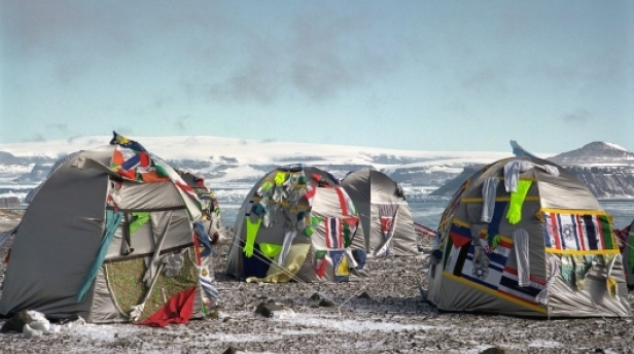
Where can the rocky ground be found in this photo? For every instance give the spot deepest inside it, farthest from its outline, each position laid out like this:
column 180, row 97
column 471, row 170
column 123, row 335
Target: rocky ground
column 382, row 313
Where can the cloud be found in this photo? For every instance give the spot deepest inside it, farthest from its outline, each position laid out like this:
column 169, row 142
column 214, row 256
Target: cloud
column 319, row 58
column 580, row 115
column 35, row 138
column 63, row 128
column 73, row 138
column 182, row 123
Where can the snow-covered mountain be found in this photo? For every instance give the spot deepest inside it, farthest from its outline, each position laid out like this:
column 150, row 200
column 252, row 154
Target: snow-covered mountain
column 606, row 169
column 232, row 164
column 596, row 154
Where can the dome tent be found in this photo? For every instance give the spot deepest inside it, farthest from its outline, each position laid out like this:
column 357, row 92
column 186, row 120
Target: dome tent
column 296, row 223
column 627, row 240
column 524, row 237
column 386, row 221
column 104, row 219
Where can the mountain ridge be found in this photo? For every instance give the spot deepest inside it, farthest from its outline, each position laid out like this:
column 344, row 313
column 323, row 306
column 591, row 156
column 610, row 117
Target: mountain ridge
column 234, row 162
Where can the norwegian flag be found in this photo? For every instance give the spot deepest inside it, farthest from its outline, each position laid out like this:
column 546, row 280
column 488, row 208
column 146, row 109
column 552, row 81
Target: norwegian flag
column 334, row 233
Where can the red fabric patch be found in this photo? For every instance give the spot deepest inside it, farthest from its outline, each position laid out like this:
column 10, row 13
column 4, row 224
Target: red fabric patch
column 178, row 309
column 459, row 240
column 386, row 223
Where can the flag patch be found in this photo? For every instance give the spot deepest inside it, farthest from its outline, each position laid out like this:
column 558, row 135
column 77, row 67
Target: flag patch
column 578, row 232
column 490, row 270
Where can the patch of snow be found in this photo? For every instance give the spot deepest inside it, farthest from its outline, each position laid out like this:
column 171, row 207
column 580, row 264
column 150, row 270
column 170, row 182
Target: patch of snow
column 615, row 146
column 545, row 344
column 335, row 323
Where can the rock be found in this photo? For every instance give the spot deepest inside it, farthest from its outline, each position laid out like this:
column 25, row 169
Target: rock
column 326, row 303
column 232, row 350
column 16, row 323
column 267, row 309
column 215, row 314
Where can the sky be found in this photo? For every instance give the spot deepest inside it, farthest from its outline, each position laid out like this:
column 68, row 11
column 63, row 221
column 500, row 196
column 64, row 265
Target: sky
column 415, row 75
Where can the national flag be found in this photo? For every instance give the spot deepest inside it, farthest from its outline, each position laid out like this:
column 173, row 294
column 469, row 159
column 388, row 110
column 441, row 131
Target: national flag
column 486, row 268
column 349, row 228
column 578, row 232
column 346, row 204
column 320, row 263
column 460, row 235
column 137, row 165
column 509, row 286
column 388, row 214
column 125, row 142
column 339, row 264
column 334, row 233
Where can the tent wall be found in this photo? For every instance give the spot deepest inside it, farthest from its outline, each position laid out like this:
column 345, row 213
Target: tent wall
column 144, row 240
column 369, row 190
column 56, row 243
column 325, row 203
column 461, row 280
column 628, row 256
column 61, row 233
column 358, row 186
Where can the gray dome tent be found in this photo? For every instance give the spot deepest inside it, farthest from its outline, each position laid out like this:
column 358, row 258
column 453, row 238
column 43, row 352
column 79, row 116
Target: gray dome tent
column 101, row 221
column 523, row 236
column 386, row 221
column 296, row 223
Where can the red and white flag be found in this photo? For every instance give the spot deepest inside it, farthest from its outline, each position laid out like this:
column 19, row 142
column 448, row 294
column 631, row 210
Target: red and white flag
column 424, row 230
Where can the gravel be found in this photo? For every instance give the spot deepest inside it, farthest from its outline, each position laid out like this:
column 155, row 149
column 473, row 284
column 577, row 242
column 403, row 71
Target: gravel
column 382, row 313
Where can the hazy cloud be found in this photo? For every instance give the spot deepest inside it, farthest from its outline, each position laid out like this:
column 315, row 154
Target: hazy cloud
column 580, row 115
column 182, row 123
column 63, row 127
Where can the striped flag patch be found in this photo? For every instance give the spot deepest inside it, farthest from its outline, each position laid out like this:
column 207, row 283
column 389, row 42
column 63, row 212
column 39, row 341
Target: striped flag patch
column 334, row 233
column 578, row 232
column 490, row 270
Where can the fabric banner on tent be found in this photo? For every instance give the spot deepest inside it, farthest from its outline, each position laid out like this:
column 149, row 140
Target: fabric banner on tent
column 578, row 232
column 334, row 233
column 177, row 310
column 137, row 165
column 388, row 216
column 112, row 223
column 489, row 270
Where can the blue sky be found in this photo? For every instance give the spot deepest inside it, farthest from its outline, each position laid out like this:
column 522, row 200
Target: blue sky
column 415, row 75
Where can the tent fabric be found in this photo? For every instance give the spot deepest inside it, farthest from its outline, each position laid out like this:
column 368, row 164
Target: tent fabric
column 61, row 237
column 370, row 191
column 112, row 222
column 553, row 255
column 628, row 253
column 178, row 309
column 304, row 206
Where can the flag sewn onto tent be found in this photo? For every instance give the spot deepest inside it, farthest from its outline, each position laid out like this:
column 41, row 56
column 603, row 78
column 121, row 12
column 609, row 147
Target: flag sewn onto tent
column 577, row 232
